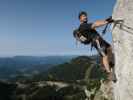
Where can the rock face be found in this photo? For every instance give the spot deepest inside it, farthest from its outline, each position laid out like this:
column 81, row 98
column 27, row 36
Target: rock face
column 123, row 48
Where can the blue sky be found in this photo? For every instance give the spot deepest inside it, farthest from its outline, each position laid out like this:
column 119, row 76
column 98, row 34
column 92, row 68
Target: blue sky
column 44, row 27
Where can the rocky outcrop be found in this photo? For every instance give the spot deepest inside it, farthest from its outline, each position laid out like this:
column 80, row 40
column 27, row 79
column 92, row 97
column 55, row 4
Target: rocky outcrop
column 123, row 48
column 105, row 92
column 92, row 84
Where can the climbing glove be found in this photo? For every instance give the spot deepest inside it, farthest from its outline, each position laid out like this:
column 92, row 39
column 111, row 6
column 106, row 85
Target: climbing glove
column 110, row 20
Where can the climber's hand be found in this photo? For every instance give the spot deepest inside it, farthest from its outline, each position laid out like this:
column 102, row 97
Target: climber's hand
column 110, row 20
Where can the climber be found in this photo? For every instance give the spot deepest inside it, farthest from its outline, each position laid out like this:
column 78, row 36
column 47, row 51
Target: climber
column 87, row 34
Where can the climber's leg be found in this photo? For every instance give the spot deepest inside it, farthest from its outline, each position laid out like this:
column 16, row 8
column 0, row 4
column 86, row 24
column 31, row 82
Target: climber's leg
column 104, row 56
column 107, row 57
column 110, row 55
column 111, row 61
column 106, row 64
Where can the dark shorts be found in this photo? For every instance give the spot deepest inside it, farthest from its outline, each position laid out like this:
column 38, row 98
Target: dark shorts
column 104, row 45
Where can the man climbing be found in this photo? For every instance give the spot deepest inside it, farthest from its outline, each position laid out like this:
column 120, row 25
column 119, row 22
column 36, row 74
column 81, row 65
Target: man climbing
column 87, row 34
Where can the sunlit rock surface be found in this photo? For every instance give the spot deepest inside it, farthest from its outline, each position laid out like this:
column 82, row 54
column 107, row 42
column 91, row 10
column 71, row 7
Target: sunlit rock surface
column 123, row 48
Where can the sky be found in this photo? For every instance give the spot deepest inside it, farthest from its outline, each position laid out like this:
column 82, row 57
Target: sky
column 45, row 27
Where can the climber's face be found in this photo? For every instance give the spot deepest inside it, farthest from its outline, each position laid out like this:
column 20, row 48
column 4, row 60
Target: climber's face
column 83, row 18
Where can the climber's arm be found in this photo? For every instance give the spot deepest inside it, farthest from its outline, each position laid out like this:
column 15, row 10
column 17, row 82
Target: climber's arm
column 99, row 23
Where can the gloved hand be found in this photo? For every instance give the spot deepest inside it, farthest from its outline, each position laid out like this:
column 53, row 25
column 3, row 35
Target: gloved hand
column 110, row 20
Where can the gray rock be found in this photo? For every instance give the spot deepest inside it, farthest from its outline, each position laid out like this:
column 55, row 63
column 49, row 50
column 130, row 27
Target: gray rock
column 123, row 49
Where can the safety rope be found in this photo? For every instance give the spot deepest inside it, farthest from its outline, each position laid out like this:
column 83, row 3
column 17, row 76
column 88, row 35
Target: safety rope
column 116, row 22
